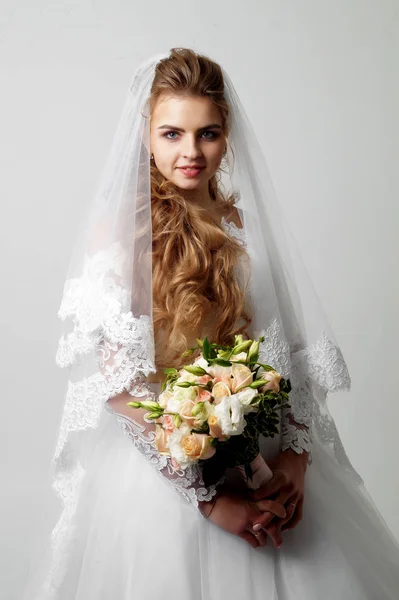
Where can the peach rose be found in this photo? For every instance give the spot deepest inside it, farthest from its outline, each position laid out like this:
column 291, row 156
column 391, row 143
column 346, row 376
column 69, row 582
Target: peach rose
column 219, row 391
column 168, row 422
column 200, row 416
column 273, row 379
column 204, row 378
column 215, row 429
column 242, row 376
column 197, row 446
column 220, row 373
column 161, row 440
column 203, row 395
column 185, row 412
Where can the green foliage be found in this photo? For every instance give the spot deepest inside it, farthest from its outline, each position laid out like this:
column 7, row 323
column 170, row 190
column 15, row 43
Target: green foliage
column 238, row 449
column 243, row 449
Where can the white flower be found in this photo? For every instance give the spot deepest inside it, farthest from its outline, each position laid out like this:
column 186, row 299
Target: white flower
column 186, row 376
column 239, row 356
column 175, row 447
column 164, row 397
column 179, row 395
column 245, row 397
column 201, row 362
column 230, row 415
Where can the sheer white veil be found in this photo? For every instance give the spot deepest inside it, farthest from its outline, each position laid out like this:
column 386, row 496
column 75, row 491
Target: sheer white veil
column 107, row 338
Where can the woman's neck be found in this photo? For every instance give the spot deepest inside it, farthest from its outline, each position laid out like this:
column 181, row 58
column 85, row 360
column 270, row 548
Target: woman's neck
column 201, row 198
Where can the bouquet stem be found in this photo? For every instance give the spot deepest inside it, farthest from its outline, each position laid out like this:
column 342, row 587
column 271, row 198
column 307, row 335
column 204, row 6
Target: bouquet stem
column 261, row 473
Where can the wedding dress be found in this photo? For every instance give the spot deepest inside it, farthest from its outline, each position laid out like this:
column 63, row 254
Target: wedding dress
column 129, row 527
column 137, row 533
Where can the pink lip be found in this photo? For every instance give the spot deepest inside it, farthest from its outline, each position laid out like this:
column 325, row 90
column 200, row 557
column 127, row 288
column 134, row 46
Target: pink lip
column 191, row 171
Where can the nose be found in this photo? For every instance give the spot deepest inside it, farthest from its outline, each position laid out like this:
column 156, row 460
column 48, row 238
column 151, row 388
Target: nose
column 191, row 148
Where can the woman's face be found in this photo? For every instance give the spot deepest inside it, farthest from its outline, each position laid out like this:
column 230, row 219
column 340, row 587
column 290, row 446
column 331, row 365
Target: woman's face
column 187, row 140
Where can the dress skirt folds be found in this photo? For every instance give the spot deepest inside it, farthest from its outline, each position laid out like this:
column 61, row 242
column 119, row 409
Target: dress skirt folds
column 133, row 537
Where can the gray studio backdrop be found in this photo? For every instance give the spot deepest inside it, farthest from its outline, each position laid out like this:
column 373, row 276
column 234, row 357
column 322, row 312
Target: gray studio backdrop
column 319, row 80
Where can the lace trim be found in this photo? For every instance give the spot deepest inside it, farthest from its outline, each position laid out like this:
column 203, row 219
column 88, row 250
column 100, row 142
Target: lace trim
column 324, row 364
column 119, row 348
column 231, row 229
column 83, row 405
column 95, row 304
column 313, row 372
column 295, row 438
column 188, row 482
column 295, row 435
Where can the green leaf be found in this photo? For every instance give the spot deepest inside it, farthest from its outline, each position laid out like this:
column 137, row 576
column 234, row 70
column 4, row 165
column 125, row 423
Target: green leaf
column 265, row 367
column 242, row 347
column 257, row 383
column 220, row 361
column 206, row 349
column 225, row 354
column 170, row 371
column 134, row 404
column 153, row 415
column 195, row 369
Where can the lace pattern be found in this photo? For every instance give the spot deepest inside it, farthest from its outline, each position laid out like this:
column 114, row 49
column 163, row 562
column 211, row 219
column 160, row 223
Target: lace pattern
column 188, row 482
column 313, row 372
column 234, row 231
column 119, row 354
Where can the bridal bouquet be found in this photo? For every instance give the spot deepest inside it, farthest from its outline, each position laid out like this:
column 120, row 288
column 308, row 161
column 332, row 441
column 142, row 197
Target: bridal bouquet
column 213, row 411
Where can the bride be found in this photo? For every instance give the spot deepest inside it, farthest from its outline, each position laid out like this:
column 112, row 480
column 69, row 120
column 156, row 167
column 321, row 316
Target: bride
column 167, row 256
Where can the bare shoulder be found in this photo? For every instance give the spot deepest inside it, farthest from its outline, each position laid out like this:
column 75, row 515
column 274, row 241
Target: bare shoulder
column 234, row 217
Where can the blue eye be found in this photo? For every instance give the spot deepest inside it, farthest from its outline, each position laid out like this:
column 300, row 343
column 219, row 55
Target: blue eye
column 207, row 135
column 212, row 135
column 168, row 133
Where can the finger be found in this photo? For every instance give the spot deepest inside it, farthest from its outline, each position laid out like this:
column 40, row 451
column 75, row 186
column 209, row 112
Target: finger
column 272, row 506
column 290, row 506
column 274, row 532
column 268, row 516
column 260, row 535
column 269, row 488
column 297, row 516
column 250, row 538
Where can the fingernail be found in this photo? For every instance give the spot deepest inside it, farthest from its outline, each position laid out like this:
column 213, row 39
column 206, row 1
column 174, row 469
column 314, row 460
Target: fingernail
column 256, row 527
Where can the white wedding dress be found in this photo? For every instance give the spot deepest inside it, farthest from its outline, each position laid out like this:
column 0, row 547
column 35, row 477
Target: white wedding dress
column 133, row 536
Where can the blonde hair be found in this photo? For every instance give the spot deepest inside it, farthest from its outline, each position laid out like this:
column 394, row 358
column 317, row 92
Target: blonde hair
column 193, row 259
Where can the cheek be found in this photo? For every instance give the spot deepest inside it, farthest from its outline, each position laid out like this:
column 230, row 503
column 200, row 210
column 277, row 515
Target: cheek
column 215, row 153
column 165, row 155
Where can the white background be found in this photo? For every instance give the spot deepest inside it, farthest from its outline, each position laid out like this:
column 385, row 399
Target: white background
column 319, row 81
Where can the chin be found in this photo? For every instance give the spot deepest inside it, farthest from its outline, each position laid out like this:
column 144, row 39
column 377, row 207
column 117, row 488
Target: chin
column 189, row 184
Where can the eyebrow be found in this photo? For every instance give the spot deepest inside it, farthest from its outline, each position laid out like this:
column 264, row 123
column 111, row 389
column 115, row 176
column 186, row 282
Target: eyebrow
column 212, row 126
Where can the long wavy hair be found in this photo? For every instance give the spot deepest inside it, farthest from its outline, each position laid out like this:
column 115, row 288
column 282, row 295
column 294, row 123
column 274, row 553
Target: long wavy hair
column 193, row 259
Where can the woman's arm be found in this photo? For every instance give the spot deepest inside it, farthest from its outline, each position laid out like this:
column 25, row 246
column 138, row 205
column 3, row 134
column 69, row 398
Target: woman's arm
column 142, row 433
column 232, row 511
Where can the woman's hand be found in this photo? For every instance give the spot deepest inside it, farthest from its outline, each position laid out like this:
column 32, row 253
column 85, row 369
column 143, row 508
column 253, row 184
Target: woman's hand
column 287, row 488
column 235, row 512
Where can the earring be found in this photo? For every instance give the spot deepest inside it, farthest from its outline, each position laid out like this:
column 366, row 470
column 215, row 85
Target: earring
column 152, row 157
